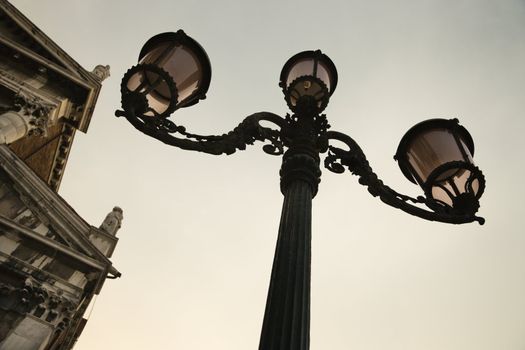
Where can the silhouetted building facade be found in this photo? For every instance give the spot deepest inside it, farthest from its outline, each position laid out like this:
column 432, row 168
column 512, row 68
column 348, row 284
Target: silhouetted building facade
column 52, row 262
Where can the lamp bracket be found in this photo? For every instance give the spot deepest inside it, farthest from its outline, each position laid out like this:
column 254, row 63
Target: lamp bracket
column 338, row 160
column 310, row 126
column 246, row 133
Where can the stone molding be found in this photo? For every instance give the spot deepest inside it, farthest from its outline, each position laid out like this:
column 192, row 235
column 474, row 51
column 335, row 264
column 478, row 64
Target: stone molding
column 42, row 199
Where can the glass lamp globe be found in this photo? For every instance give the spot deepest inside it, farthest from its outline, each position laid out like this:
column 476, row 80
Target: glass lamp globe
column 437, row 154
column 173, row 71
column 308, row 77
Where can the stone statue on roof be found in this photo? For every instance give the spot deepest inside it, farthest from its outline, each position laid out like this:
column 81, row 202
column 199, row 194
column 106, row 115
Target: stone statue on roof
column 101, row 72
column 113, row 221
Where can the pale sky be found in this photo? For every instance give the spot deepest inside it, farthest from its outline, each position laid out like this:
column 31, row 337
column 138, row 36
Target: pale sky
column 199, row 231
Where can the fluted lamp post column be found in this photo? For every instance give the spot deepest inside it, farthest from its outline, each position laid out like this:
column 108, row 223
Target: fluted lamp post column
column 174, row 72
column 307, row 79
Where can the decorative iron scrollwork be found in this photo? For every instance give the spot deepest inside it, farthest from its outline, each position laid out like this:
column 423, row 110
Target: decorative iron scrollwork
column 306, row 132
column 246, row 133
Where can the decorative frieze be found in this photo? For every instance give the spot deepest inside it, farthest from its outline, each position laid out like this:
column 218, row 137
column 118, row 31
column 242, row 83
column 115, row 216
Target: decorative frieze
column 34, row 299
column 10, row 81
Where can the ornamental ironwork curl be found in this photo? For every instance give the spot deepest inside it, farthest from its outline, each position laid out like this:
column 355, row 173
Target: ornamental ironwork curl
column 246, row 133
column 339, row 160
column 305, row 126
column 136, row 99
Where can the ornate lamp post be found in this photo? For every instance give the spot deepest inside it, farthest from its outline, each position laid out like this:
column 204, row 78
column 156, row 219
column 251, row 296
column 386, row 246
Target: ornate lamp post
column 174, row 72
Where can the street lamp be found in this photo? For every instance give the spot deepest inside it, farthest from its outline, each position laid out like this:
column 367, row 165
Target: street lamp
column 174, row 72
column 309, row 73
column 437, row 154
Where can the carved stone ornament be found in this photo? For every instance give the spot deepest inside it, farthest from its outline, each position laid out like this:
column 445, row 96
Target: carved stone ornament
column 32, row 298
column 113, row 221
column 101, row 72
column 36, row 109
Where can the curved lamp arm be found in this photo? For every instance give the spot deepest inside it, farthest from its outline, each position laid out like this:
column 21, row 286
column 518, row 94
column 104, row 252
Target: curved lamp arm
column 246, row 133
column 355, row 160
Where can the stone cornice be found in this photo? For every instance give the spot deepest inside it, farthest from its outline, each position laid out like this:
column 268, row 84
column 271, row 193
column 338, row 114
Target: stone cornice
column 61, row 216
column 26, row 270
column 24, row 231
column 72, row 71
column 61, row 156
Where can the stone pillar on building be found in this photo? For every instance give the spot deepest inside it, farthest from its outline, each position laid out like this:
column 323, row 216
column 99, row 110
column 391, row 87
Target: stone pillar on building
column 29, row 116
column 13, row 126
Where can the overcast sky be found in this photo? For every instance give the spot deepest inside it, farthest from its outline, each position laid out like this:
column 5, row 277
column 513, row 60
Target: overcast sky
column 199, row 231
